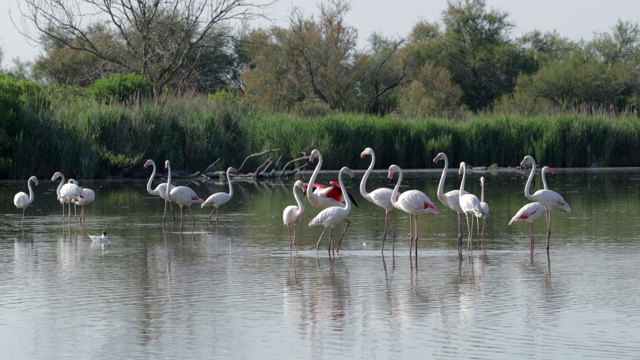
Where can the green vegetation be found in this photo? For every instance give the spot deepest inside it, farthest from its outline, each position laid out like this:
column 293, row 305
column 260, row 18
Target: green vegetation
column 152, row 81
column 90, row 139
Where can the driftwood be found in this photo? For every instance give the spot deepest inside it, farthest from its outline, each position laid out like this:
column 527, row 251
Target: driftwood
column 266, row 170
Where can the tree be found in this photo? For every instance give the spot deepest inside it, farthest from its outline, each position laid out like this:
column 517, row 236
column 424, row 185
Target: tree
column 163, row 40
column 476, row 50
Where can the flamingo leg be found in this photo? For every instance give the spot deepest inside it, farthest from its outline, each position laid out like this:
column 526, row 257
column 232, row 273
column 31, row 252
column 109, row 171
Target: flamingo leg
column 410, row 233
column 459, row 233
column 210, row 215
column 289, row 233
column 548, row 213
column 331, row 240
column 193, row 216
column 343, row 231
column 468, row 229
column 470, row 241
column 181, row 218
column 393, row 234
column 164, row 216
column 384, row 235
column 531, row 241
column 217, row 216
column 415, row 231
column 23, row 210
column 483, row 223
column 318, row 243
column 294, row 238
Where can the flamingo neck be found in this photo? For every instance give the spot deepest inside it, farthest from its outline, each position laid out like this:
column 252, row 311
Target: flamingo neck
column 168, row 178
column 153, row 175
column 443, row 177
column 527, row 187
column 313, row 179
column 345, row 196
column 298, row 200
column 30, row 191
column 59, row 189
column 365, row 178
column 396, row 189
column 544, row 180
column 482, row 192
column 464, row 177
column 229, row 180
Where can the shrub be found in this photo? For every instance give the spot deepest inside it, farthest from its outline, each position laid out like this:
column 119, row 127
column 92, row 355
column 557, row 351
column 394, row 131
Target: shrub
column 121, row 88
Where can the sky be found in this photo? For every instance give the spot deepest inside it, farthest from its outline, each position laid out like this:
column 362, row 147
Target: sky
column 575, row 19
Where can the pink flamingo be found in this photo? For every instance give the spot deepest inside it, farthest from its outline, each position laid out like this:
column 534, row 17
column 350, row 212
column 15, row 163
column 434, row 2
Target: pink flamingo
column 532, row 211
column 450, row 199
column 21, row 200
column 88, row 196
column 333, row 215
column 292, row 215
column 218, row 199
column 548, row 198
column 484, row 210
column 413, row 202
column 66, row 193
column 470, row 204
column 181, row 195
column 160, row 190
column 323, row 197
column 380, row 197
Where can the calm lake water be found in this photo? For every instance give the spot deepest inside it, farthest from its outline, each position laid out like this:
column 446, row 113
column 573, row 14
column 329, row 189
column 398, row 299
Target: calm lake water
column 236, row 291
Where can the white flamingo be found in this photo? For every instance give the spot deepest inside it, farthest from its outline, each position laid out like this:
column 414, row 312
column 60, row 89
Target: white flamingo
column 484, row 210
column 413, row 202
column 292, row 214
column 323, row 197
column 532, row 211
column 333, row 215
column 88, row 196
column 160, row 190
column 380, row 197
column 66, row 193
column 21, row 200
column 218, row 199
column 449, row 199
column 181, row 195
column 470, row 205
column 548, row 198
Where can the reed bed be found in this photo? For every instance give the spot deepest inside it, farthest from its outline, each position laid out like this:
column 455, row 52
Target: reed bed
column 87, row 139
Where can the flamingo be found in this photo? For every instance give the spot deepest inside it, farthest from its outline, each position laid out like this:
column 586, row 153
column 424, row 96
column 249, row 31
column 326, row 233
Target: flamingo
column 484, row 209
column 548, row 198
column 66, row 193
column 181, row 195
column 413, row 202
column 292, row 215
column 380, row 197
column 218, row 199
column 323, row 197
column 530, row 212
column 470, row 204
column 333, row 215
column 21, row 200
column 88, row 196
column 450, row 199
column 160, row 190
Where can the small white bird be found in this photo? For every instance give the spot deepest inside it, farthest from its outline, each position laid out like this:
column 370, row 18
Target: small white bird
column 102, row 238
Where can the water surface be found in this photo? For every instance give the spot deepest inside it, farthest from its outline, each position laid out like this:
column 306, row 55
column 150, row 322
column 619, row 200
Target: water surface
column 236, row 290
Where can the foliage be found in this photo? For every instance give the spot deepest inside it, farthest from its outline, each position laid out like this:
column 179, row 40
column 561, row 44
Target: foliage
column 173, row 44
column 121, row 88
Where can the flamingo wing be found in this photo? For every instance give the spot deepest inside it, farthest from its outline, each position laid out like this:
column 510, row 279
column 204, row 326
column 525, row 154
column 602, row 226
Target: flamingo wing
column 416, row 202
column 530, row 212
column 382, row 198
column 216, row 199
column 21, row 200
column 291, row 215
column 329, row 216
